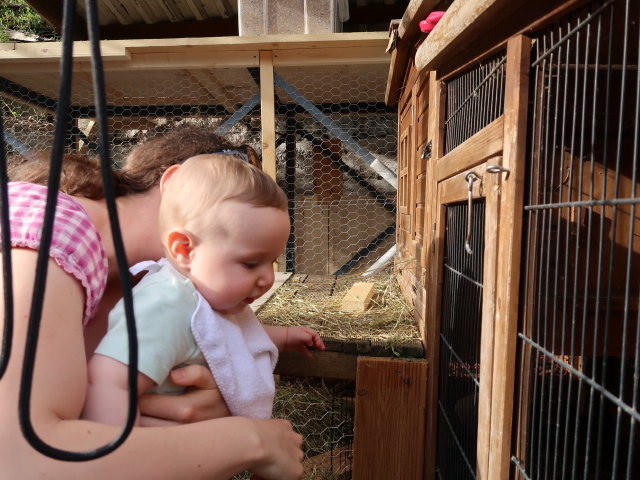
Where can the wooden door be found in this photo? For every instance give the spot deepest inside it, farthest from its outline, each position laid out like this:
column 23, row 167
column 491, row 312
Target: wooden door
column 470, row 329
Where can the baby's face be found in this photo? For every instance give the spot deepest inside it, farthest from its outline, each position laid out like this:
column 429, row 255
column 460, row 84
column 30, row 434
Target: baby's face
column 233, row 268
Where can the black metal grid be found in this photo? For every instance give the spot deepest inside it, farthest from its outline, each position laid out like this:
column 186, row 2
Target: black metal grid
column 579, row 342
column 475, row 98
column 459, row 367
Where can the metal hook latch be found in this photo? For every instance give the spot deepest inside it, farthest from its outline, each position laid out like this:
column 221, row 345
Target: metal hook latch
column 498, row 169
column 426, row 151
column 470, row 178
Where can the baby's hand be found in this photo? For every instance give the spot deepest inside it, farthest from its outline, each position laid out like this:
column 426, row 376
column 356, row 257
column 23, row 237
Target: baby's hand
column 300, row 338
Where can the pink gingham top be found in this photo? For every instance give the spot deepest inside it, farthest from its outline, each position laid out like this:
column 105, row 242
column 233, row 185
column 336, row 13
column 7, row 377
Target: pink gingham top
column 75, row 245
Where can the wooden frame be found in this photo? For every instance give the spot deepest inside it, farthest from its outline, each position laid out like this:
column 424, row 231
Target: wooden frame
column 500, row 143
column 268, row 114
column 509, row 243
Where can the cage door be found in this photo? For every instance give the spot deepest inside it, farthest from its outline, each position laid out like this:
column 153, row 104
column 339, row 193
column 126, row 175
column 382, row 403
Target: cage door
column 466, row 226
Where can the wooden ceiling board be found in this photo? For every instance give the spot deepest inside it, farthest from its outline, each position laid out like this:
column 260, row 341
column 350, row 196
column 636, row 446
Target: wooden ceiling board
column 208, row 70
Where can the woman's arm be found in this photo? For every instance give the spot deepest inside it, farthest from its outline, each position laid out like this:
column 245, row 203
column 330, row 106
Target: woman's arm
column 205, row 450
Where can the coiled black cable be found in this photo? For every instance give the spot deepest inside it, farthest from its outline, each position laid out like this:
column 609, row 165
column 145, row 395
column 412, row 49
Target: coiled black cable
column 7, row 331
column 61, row 122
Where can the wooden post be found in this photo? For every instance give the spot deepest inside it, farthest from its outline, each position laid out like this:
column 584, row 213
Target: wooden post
column 509, row 246
column 491, row 184
column 389, row 424
column 267, row 108
column 434, row 238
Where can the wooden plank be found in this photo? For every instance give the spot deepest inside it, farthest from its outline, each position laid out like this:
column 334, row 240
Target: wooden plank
column 389, row 420
column 35, row 51
column 358, row 298
column 347, row 55
column 416, row 11
column 456, row 188
column 481, row 146
column 489, row 265
column 335, row 461
column 434, row 231
column 397, row 67
column 469, row 27
column 336, row 365
column 509, row 245
column 268, row 116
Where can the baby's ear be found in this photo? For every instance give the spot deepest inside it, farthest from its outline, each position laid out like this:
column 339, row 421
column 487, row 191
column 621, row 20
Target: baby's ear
column 180, row 246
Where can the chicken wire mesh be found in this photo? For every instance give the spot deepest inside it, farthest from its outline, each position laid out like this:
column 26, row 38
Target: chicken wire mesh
column 335, row 141
column 139, row 105
column 336, row 144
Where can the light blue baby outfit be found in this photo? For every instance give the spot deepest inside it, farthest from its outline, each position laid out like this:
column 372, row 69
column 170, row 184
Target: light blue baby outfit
column 176, row 326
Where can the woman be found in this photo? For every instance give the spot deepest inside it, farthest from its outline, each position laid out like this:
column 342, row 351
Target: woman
column 208, row 449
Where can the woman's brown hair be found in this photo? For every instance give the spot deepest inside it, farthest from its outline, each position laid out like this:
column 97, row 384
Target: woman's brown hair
column 142, row 168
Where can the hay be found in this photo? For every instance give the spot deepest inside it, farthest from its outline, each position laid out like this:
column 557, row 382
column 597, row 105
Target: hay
column 389, row 320
column 321, row 413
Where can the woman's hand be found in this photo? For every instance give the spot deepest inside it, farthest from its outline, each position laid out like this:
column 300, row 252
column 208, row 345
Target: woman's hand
column 282, row 451
column 201, row 401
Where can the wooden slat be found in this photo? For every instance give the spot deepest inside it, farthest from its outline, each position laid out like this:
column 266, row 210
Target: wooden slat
column 335, row 365
column 416, row 10
column 489, row 265
column 52, row 12
column 456, row 188
column 397, row 67
column 483, row 145
column 389, row 423
column 471, row 27
column 334, row 461
column 35, row 51
column 434, row 231
column 346, row 55
column 509, row 245
column 268, row 117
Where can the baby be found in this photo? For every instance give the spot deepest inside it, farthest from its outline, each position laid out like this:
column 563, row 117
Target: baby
column 223, row 222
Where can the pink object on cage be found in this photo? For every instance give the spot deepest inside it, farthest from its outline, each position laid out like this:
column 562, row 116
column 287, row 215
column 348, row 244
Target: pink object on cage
column 431, row 21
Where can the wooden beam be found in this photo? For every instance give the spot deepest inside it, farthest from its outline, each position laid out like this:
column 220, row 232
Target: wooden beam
column 347, row 55
column 490, row 188
column 434, row 275
column 329, row 461
column 36, row 51
column 397, row 67
column 509, row 246
column 416, row 11
column 470, row 27
column 52, row 13
column 389, row 423
column 481, row 146
column 327, row 364
column 408, row 29
column 267, row 107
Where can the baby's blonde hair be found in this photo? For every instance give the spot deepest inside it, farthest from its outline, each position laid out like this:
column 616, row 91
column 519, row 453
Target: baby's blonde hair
column 203, row 182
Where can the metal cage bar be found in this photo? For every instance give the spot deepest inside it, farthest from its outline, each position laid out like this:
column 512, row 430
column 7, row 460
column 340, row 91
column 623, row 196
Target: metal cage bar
column 474, row 99
column 579, row 341
column 459, row 382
